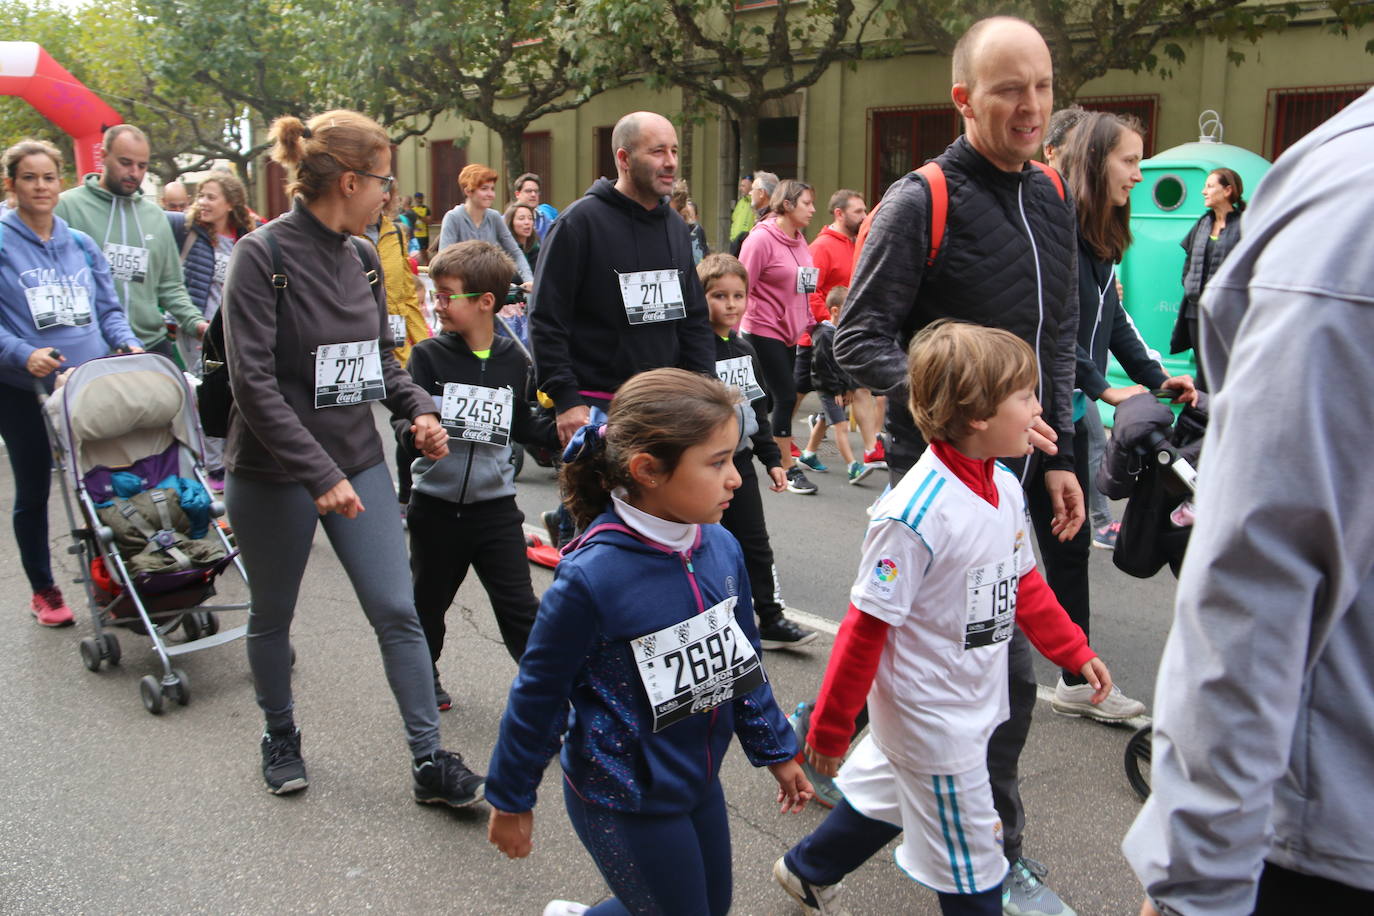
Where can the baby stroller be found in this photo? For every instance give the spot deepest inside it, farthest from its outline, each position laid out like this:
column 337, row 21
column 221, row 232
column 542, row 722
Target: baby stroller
column 1151, row 462
column 127, row 443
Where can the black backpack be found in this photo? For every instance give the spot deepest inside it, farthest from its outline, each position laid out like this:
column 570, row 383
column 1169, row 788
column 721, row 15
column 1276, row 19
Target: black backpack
column 215, row 395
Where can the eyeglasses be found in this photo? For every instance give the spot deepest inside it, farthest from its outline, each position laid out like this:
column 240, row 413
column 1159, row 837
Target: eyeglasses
column 388, row 181
column 442, row 297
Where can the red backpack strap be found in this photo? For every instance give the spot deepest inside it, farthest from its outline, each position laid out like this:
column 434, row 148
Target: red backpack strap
column 1052, row 175
column 939, row 206
column 939, row 213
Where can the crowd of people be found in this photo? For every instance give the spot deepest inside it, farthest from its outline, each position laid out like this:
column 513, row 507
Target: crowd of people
column 961, row 329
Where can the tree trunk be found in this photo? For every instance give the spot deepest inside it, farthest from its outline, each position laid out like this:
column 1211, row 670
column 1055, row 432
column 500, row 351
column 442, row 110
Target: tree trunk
column 727, row 164
column 748, row 142
column 512, row 155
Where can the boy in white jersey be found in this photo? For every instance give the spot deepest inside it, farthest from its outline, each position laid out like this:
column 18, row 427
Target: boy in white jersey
column 947, row 571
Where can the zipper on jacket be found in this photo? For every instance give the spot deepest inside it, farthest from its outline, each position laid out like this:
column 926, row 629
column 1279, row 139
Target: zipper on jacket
column 701, row 609
column 1040, row 304
column 467, row 471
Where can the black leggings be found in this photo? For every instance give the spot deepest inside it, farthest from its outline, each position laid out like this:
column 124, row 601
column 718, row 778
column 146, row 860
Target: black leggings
column 777, row 360
column 744, row 519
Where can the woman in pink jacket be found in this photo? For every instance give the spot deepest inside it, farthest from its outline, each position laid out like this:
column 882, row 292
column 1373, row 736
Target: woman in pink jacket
column 781, row 277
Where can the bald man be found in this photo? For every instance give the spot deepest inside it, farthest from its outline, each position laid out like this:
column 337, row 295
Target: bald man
column 1007, row 260
column 175, row 198
column 616, row 292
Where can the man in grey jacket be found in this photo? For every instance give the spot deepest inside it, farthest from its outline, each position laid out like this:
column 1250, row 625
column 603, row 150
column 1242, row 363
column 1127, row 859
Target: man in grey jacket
column 1264, row 712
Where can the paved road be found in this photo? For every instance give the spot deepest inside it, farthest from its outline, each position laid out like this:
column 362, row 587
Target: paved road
column 106, row 809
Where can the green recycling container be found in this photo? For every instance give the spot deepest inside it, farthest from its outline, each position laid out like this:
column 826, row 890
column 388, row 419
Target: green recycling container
column 1164, row 207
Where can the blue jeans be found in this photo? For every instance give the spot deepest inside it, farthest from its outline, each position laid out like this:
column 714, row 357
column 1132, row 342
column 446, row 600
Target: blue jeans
column 1099, row 507
column 673, row 865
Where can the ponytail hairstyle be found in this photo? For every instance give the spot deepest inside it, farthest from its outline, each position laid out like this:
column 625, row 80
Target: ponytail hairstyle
column 663, row 412
column 1230, row 181
column 330, row 144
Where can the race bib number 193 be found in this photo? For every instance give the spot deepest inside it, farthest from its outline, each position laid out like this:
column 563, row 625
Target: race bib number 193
column 991, row 604
column 696, row 665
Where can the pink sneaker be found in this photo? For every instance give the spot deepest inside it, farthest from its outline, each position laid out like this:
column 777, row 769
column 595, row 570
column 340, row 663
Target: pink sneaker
column 51, row 610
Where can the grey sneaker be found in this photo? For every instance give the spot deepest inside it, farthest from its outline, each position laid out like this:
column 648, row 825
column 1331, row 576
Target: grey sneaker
column 283, row 769
column 1024, row 892
column 822, row 900
column 1076, row 701
column 797, row 482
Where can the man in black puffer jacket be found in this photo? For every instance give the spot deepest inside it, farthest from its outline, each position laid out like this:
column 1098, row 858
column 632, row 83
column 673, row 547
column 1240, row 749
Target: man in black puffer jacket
column 1007, row 260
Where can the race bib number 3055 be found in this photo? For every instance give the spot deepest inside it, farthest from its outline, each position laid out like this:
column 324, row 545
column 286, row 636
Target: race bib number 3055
column 991, row 603
column 477, row 414
column 348, row 373
column 127, row 262
column 696, row 665
column 651, row 296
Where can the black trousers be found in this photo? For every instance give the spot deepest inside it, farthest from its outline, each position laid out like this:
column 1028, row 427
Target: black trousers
column 1066, row 562
column 777, row 362
column 744, row 519
column 445, row 540
column 1004, row 747
column 1284, row 892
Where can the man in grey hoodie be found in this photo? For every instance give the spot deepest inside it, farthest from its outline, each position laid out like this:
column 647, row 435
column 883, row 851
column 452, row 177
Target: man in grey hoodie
column 1264, row 713
column 136, row 239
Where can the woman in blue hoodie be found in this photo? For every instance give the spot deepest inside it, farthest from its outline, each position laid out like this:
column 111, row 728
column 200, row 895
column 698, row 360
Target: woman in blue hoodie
column 57, row 308
column 648, row 630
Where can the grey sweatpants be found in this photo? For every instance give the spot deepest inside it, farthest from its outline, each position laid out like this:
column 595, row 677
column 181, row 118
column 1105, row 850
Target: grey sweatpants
column 275, row 525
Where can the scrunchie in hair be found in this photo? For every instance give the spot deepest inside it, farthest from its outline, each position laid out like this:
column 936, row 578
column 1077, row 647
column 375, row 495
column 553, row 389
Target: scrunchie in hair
column 586, row 442
column 306, row 133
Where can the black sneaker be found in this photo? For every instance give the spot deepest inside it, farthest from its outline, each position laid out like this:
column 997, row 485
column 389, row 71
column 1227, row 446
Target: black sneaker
column 282, row 767
column 443, row 779
column 784, row 634
column 441, row 696
column 550, row 520
column 797, row 482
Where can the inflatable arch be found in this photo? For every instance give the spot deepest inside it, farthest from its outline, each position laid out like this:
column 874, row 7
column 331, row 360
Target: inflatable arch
column 27, row 71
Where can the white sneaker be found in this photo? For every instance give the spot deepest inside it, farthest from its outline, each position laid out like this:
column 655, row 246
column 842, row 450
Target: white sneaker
column 1077, row 701
column 564, row 908
column 815, row 899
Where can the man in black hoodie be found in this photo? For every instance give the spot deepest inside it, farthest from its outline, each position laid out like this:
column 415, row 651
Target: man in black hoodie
column 616, row 292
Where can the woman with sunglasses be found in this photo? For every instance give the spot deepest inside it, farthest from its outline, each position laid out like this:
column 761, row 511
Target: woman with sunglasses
column 304, row 331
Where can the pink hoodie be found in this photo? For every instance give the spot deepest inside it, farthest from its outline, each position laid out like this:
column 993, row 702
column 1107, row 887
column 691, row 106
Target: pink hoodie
column 775, row 308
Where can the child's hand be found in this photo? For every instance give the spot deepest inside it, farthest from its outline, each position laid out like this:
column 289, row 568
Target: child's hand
column 826, row 766
column 1097, row 674
column 513, row 834
column 779, row 478
column 431, row 439
column 794, row 789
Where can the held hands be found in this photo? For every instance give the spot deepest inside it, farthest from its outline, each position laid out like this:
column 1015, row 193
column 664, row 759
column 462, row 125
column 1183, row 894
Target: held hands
column 1043, row 437
column 513, row 834
column 570, row 421
column 779, row 479
column 41, row 363
column 1066, row 497
column 341, row 499
column 431, row 439
column 826, row 766
column 1114, row 396
column 1097, row 674
column 794, row 789
column 201, row 328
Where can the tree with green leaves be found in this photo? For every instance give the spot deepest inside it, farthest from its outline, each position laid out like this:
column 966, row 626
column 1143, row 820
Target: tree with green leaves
column 1088, row 38
column 500, row 63
column 726, row 54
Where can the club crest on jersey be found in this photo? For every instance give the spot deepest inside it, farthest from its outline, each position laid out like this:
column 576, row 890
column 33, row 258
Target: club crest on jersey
column 886, row 570
column 1020, row 540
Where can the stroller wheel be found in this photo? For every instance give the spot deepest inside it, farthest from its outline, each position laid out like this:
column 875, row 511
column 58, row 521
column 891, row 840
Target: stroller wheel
column 110, row 648
column 181, row 690
column 1138, row 753
column 190, row 625
column 150, row 689
column 90, row 654
column 210, row 623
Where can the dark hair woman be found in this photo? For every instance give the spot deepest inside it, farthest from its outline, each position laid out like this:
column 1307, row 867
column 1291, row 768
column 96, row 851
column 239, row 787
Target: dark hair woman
column 1207, row 244
column 57, row 308
column 1102, row 164
column 306, row 359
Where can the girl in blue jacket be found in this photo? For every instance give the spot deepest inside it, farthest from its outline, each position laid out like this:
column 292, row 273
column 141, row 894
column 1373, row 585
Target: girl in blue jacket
column 57, row 309
column 648, row 630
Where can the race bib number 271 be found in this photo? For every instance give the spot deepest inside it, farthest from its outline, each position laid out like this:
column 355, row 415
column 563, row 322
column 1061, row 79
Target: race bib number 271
column 650, row 296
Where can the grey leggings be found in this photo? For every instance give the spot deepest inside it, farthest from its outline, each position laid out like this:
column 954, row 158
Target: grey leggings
column 275, row 525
